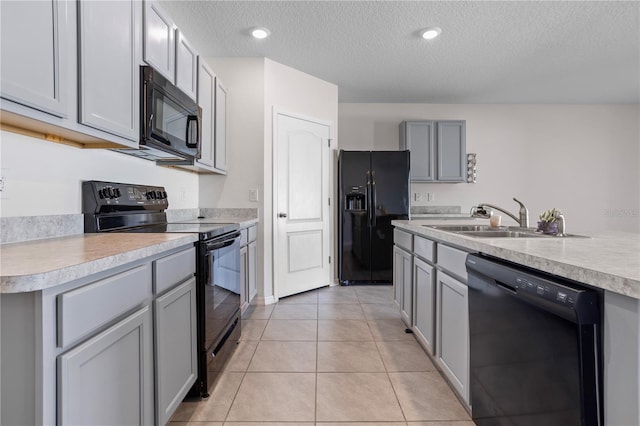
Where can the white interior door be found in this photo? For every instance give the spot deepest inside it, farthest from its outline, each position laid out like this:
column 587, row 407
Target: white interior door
column 301, row 203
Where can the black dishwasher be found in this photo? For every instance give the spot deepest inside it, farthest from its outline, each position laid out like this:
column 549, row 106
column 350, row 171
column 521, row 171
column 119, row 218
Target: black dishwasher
column 535, row 347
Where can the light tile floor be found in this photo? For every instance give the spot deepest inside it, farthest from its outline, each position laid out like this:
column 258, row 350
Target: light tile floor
column 334, row 356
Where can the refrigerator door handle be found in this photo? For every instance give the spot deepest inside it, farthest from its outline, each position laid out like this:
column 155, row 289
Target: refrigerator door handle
column 374, row 197
column 368, row 195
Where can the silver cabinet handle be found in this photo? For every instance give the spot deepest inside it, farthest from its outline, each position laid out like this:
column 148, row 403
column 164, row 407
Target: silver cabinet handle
column 282, row 215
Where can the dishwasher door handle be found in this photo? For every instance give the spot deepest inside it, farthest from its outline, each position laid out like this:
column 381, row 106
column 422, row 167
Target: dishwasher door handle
column 507, row 288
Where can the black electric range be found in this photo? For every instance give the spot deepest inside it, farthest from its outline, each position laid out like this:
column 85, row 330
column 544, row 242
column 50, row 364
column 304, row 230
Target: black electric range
column 120, row 207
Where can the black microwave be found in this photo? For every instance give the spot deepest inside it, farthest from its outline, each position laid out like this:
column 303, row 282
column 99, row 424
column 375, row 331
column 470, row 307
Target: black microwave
column 170, row 120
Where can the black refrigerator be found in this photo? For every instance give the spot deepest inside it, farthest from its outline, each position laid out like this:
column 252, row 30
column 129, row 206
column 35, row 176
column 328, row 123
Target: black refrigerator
column 373, row 191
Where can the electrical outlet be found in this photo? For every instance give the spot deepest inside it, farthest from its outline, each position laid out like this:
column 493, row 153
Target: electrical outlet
column 430, row 196
column 417, row 196
column 253, row 194
column 1, row 183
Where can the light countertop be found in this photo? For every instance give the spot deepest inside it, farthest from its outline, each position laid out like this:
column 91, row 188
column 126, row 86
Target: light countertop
column 40, row 264
column 607, row 260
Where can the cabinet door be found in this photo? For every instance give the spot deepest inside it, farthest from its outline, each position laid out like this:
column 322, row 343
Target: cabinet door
column 186, row 66
column 221, row 127
column 398, row 274
column 424, row 302
column 402, row 285
column 244, row 279
column 108, row 37
column 453, row 332
column 252, row 262
column 176, row 357
column 109, row 378
column 206, row 101
column 418, row 137
column 34, row 54
column 452, row 151
column 407, row 291
column 159, row 44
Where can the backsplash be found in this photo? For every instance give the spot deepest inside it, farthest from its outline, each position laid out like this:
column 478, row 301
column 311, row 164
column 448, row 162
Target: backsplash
column 435, row 210
column 27, row 228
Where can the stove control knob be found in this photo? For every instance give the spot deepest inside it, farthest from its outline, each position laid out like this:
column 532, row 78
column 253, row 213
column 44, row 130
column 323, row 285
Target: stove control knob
column 159, row 195
column 110, row 192
column 101, row 193
column 164, row 194
column 149, row 195
column 118, row 193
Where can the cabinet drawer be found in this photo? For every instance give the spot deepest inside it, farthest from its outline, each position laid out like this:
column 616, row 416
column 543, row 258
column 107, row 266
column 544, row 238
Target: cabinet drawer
column 453, row 260
column 174, row 269
column 87, row 308
column 253, row 233
column 403, row 239
column 424, row 248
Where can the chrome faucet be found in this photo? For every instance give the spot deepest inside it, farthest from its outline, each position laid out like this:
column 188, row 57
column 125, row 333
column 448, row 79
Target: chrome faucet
column 481, row 211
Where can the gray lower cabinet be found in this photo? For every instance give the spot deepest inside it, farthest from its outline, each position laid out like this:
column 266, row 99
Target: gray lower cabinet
column 35, row 56
column 402, row 281
column 424, row 296
column 438, row 150
column 117, row 347
column 244, row 282
column 452, row 329
column 252, row 261
column 248, row 266
column 109, row 378
column 175, row 338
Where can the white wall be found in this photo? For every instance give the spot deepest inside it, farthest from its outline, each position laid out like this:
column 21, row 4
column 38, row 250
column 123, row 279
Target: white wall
column 582, row 159
column 44, row 178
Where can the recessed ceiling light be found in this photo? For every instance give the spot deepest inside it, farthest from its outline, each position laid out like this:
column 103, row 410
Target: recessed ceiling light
column 260, row 32
column 430, row 33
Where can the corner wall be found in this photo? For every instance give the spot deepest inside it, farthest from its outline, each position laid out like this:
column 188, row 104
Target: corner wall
column 581, row 159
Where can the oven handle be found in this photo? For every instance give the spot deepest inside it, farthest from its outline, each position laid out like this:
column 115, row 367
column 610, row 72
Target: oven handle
column 228, row 240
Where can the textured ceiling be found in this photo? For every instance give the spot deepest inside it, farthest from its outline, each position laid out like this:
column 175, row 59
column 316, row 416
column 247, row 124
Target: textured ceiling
column 488, row 52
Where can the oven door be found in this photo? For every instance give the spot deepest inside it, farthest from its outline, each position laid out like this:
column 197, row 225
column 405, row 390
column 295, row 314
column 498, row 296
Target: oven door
column 221, row 286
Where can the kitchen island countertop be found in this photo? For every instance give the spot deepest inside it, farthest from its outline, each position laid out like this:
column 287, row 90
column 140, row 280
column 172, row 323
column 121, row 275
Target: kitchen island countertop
column 607, row 260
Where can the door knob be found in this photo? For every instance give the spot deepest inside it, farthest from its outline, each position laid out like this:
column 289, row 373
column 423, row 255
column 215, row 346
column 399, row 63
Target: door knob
column 282, row 215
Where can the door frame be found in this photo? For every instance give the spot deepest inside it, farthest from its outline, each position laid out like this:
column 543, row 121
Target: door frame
column 274, row 193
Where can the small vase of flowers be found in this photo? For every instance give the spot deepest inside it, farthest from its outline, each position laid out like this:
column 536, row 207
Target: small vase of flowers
column 548, row 222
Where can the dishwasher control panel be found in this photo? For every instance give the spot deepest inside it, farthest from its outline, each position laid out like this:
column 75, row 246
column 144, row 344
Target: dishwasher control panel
column 553, row 292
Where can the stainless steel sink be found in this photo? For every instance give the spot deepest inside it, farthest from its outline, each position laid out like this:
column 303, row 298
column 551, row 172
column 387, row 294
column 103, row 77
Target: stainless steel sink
column 504, row 234
column 460, row 228
column 484, row 231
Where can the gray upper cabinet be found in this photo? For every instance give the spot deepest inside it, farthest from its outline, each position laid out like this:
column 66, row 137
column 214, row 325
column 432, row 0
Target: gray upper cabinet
column 206, row 101
column 159, row 43
column 438, row 150
column 418, row 137
column 35, row 54
column 109, row 75
column 451, row 151
column 221, row 126
column 186, row 66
